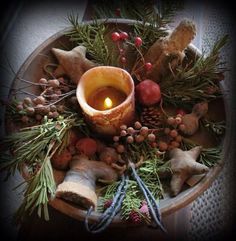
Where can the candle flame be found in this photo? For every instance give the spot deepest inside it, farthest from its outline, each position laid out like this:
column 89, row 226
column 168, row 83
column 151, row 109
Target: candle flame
column 107, row 103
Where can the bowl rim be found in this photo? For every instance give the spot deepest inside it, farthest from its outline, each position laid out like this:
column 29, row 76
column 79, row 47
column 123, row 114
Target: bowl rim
column 187, row 196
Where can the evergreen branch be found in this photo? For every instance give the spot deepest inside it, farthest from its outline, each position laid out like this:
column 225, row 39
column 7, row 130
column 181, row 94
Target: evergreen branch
column 191, row 84
column 91, row 36
column 34, row 146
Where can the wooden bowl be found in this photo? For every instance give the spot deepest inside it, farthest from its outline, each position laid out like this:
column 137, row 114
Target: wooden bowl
column 32, row 70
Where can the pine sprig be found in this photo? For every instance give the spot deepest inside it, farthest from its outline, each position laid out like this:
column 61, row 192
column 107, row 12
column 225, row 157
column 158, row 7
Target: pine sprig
column 189, row 84
column 91, row 36
column 33, row 147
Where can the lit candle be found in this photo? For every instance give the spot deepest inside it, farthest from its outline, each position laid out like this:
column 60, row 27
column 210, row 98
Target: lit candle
column 106, row 96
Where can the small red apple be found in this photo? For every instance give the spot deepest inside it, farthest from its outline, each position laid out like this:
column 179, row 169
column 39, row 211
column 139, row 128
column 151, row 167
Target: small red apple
column 148, row 92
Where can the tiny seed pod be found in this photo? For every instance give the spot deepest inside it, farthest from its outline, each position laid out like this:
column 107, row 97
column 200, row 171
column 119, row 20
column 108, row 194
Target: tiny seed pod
column 178, row 138
column 130, row 139
column 144, row 131
column 38, row 117
column 123, row 127
column 19, row 107
column 139, row 138
column 39, row 100
column 55, row 114
column 120, row 148
column 130, row 130
column 163, row 146
column 53, row 108
column 178, row 120
column 173, row 133
column 57, row 92
column 123, row 133
column 30, row 111
column 43, row 81
column 171, row 121
column 137, row 125
column 27, row 101
column 175, row 144
column 151, row 137
column 116, row 138
column 54, row 97
column 167, row 131
column 25, row 119
column 182, row 127
column 54, row 83
column 61, row 108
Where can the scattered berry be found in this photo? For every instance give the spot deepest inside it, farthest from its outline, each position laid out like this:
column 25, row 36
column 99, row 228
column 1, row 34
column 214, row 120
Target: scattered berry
column 27, row 101
column 123, row 35
column 171, row 121
column 123, row 127
column 148, row 66
column 43, row 81
column 115, row 36
column 116, row 138
column 178, row 120
column 163, row 146
column 144, row 131
column 139, row 138
column 39, row 100
column 123, row 133
column 138, row 41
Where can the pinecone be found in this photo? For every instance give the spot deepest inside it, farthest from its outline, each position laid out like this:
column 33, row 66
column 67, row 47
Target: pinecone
column 134, row 217
column 150, row 117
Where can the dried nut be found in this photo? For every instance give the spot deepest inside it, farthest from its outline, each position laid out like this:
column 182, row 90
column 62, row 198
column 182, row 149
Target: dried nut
column 173, row 133
column 163, row 146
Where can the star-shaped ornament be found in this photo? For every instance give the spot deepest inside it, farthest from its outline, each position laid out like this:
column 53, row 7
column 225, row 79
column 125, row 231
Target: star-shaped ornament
column 184, row 165
column 73, row 63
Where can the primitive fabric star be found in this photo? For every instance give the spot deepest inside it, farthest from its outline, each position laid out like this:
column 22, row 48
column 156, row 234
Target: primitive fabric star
column 183, row 165
column 72, row 63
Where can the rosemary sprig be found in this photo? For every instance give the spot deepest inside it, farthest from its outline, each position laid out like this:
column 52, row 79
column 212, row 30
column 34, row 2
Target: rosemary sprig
column 91, row 36
column 33, row 147
column 189, row 84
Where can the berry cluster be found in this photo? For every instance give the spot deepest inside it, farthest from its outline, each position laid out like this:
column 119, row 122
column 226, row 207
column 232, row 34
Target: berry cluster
column 47, row 103
column 120, row 38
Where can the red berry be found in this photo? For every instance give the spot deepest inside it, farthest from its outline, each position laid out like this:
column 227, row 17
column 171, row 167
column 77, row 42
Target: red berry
column 138, row 41
column 148, row 66
column 115, row 36
column 123, row 35
column 148, row 92
column 123, row 60
column 107, row 203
